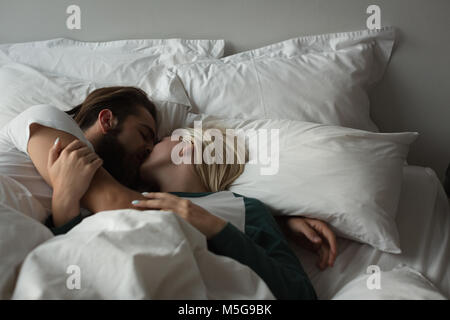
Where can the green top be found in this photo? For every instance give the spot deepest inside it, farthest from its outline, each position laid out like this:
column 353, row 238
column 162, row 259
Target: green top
column 263, row 248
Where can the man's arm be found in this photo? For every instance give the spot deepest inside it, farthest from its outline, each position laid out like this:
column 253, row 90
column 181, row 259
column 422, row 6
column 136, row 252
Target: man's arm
column 104, row 193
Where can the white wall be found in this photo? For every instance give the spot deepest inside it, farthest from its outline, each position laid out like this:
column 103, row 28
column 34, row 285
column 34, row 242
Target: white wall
column 414, row 95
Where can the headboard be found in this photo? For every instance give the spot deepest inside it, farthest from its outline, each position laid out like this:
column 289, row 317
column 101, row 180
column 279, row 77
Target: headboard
column 413, row 96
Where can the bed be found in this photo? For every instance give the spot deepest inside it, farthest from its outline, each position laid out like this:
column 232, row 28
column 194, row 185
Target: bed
column 423, row 221
column 110, row 250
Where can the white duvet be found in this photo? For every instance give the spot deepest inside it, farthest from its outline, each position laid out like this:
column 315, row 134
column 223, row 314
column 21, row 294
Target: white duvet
column 127, row 254
column 123, row 254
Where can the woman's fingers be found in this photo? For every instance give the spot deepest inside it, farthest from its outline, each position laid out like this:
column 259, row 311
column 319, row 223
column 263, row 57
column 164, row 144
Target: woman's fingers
column 159, row 195
column 169, row 200
column 90, row 157
column 97, row 163
column 323, row 257
column 83, row 151
column 74, row 145
column 326, row 232
column 157, row 204
column 299, row 225
column 163, row 201
column 54, row 152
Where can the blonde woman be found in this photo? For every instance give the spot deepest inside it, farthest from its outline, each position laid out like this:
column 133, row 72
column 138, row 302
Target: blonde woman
column 262, row 247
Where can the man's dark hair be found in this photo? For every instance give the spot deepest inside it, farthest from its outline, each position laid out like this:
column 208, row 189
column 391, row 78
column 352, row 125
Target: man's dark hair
column 122, row 101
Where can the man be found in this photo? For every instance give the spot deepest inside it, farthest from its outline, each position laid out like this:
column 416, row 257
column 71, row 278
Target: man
column 118, row 122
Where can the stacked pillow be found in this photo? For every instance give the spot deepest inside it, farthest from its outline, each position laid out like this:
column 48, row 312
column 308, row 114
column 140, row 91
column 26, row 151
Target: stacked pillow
column 116, row 62
column 62, row 72
column 320, row 79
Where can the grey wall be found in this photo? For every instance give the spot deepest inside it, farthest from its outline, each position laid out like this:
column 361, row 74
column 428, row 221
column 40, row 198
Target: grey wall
column 413, row 96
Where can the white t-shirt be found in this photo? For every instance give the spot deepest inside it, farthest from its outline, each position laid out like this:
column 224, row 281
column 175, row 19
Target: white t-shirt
column 14, row 159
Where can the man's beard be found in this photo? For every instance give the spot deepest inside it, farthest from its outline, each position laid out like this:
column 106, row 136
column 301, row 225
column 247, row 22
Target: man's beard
column 123, row 167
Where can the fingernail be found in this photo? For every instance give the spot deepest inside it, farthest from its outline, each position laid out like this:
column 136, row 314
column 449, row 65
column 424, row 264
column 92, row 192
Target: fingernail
column 56, row 141
column 145, row 193
column 135, row 202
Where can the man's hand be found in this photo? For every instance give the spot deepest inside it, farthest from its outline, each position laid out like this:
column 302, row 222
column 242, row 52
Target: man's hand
column 313, row 235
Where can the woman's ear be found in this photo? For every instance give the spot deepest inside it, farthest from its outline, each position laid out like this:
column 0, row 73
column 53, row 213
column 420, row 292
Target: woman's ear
column 187, row 152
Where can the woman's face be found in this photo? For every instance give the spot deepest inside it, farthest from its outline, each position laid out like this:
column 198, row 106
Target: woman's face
column 160, row 157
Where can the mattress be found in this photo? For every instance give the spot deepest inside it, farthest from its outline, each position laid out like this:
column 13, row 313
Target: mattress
column 423, row 221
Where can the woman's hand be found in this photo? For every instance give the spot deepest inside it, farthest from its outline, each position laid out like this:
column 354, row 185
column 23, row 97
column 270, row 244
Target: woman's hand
column 205, row 222
column 314, row 235
column 70, row 170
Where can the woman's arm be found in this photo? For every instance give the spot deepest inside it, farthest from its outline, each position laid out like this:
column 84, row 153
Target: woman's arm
column 104, row 192
column 265, row 250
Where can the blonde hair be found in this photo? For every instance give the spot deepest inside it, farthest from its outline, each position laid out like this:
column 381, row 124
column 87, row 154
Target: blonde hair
column 217, row 176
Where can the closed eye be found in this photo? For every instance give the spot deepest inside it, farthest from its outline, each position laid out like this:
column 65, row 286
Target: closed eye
column 144, row 136
column 151, row 134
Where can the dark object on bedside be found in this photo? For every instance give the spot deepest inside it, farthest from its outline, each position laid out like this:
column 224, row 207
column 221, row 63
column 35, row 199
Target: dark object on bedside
column 447, row 181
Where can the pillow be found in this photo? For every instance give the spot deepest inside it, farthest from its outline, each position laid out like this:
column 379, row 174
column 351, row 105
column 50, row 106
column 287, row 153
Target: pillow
column 349, row 178
column 119, row 62
column 323, row 79
column 23, row 87
column 401, row 283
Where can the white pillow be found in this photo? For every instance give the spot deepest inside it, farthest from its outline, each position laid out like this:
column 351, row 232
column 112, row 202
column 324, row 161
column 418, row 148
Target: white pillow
column 401, row 283
column 321, row 79
column 120, row 62
column 23, row 87
column 349, row 178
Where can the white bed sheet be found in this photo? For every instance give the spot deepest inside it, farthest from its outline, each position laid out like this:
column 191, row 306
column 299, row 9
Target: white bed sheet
column 423, row 221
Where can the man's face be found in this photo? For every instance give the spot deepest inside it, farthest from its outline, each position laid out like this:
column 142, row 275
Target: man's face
column 125, row 148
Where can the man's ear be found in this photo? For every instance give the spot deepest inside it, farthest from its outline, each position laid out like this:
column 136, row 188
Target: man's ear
column 106, row 120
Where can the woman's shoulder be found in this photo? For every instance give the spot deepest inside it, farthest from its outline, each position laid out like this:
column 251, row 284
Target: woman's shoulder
column 256, row 212
column 251, row 201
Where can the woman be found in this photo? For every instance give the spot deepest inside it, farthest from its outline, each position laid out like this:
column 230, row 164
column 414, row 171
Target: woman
column 262, row 247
